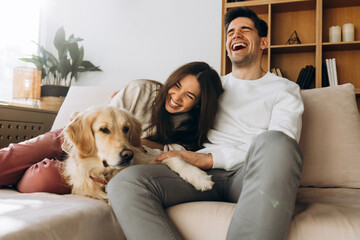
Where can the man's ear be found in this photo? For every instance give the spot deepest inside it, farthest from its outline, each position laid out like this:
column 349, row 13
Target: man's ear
column 264, row 43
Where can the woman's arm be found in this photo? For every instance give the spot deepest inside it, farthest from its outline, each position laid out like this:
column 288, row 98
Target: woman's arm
column 200, row 160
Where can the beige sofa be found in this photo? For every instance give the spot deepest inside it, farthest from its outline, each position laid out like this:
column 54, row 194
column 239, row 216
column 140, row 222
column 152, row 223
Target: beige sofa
column 328, row 202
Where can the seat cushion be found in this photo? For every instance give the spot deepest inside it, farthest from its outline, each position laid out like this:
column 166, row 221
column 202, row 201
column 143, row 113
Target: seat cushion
column 328, row 213
column 320, row 213
column 45, row 216
column 202, row 220
column 330, row 138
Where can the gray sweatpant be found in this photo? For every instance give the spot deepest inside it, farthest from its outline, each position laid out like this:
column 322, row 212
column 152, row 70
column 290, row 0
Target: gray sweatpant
column 264, row 190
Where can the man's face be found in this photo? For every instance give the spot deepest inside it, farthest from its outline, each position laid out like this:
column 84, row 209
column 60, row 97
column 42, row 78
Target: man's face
column 243, row 44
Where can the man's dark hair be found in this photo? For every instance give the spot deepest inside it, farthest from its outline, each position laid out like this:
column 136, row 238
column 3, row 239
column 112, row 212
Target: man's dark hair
column 259, row 24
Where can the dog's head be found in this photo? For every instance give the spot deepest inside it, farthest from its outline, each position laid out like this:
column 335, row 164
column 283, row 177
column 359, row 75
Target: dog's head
column 104, row 132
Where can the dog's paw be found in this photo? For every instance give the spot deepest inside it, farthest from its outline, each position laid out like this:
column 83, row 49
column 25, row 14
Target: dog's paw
column 191, row 174
column 198, row 178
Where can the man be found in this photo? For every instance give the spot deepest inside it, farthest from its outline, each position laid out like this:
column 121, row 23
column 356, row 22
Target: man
column 252, row 154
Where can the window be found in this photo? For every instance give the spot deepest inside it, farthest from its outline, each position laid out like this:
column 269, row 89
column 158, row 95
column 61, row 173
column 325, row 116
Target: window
column 19, row 26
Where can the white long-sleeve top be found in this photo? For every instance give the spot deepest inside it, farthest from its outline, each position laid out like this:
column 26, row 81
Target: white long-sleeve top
column 247, row 108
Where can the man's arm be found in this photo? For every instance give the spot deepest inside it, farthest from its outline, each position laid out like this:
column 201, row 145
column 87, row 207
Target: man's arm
column 287, row 113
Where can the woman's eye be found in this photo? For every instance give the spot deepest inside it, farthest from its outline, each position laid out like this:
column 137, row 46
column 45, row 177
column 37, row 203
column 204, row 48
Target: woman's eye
column 177, row 85
column 189, row 96
column 105, row 130
column 125, row 129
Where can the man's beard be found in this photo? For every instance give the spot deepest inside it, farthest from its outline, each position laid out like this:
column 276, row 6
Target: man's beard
column 243, row 62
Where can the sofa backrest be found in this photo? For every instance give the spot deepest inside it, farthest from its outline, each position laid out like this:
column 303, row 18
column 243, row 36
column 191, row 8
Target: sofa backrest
column 330, row 137
column 80, row 98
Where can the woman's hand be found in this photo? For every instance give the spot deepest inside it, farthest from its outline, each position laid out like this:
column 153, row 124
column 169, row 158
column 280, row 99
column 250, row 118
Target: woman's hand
column 200, row 160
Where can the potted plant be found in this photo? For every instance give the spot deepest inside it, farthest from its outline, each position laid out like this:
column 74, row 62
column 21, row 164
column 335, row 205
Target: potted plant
column 58, row 72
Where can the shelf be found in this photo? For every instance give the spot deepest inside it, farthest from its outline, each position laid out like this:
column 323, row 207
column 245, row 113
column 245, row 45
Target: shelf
column 295, row 48
column 293, row 6
column 311, row 19
column 341, row 46
column 285, row 20
column 340, row 3
column 260, row 7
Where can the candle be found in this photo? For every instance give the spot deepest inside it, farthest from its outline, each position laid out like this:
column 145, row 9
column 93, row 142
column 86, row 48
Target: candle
column 348, row 32
column 335, row 34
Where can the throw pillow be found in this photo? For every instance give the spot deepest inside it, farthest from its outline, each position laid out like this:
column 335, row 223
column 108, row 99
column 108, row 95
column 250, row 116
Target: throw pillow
column 330, row 137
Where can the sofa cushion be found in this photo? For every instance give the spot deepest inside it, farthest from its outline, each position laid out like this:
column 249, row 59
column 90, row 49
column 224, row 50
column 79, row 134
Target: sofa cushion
column 326, row 213
column 202, row 220
column 45, row 216
column 320, row 213
column 330, row 138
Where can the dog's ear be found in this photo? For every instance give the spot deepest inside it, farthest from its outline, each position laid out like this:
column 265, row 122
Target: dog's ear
column 78, row 133
column 135, row 132
column 66, row 146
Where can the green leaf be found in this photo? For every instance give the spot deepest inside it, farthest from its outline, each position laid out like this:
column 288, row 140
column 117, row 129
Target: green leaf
column 60, row 42
column 74, row 52
column 69, row 60
column 47, row 56
column 38, row 64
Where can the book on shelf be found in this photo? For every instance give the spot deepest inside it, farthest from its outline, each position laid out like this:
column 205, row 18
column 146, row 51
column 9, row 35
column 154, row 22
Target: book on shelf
column 325, row 76
column 273, row 70
column 300, row 77
column 276, row 71
column 306, row 77
column 333, row 61
column 331, row 71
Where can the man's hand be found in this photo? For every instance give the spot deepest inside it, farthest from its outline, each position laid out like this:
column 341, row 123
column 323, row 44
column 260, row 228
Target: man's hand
column 200, row 160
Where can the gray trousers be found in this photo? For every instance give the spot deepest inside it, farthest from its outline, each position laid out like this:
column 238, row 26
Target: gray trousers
column 264, row 190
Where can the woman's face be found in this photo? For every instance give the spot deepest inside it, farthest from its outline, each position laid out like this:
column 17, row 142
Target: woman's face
column 184, row 95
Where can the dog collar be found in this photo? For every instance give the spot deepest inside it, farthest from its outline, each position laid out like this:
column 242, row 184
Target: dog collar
column 98, row 181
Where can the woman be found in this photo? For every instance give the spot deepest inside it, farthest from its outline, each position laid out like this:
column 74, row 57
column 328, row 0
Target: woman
column 180, row 111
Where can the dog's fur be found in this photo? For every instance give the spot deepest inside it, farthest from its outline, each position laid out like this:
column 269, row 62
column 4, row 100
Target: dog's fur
column 101, row 141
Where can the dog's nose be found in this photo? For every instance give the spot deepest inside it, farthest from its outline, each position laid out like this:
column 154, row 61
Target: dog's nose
column 126, row 155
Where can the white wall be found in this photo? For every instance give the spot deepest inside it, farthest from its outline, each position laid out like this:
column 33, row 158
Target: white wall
column 132, row 39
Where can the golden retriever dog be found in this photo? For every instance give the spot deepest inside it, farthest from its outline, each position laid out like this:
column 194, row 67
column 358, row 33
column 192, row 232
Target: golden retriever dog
column 102, row 140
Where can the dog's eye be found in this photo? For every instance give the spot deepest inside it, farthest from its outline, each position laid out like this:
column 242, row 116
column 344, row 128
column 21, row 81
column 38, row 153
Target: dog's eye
column 125, row 129
column 105, row 130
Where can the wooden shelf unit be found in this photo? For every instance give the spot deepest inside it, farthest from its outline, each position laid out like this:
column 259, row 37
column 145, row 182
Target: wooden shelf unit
column 311, row 19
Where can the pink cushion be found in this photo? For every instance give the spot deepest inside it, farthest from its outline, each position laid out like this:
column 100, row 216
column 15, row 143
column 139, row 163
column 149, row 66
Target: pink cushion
column 330, row 138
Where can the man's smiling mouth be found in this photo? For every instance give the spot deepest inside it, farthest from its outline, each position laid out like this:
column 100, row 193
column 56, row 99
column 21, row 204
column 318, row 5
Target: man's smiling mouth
column 238, row 46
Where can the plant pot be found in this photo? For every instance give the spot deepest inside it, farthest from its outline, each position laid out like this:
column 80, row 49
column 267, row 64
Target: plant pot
column 54, row 91
column 52, row 96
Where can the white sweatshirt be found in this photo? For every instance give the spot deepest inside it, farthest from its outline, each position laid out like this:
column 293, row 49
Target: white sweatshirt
column 247, row 108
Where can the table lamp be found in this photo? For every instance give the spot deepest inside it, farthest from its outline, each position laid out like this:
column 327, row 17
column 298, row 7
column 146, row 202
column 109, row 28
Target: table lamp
column 26, row 83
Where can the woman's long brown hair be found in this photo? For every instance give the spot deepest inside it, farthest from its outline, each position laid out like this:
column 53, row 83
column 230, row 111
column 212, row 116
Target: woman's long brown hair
column 192, row 133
